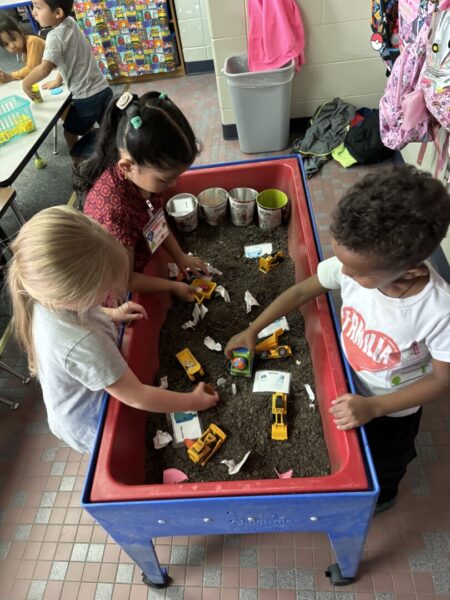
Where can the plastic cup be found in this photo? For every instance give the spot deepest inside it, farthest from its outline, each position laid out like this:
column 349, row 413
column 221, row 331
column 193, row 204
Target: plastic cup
column 183, row 209
column 271, row 204
column 213, row 205
column 242, row 205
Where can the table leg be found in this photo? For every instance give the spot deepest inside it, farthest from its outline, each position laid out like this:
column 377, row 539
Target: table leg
column 55, row 139
column 17, row 212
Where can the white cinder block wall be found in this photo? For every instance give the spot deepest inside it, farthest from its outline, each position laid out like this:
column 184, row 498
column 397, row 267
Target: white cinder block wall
column 194, row 29
column 339, row 58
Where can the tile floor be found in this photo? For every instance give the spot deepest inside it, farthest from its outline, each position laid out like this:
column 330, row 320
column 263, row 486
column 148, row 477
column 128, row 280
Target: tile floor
column 50, row 548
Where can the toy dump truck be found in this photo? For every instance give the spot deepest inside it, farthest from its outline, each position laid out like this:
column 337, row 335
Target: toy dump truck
column 279, row 410
column 267, row 263
column 269, row 348
column 201, row 450
column 204, row 289
column 190, row 364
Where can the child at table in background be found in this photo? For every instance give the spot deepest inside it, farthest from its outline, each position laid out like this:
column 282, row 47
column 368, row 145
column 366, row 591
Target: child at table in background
column 395, row 312
column 15, row 40
column 67, row 49
column 144, row 144
column 63, row 266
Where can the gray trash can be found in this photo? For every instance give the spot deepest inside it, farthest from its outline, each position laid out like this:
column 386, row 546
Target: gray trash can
column 262, row 104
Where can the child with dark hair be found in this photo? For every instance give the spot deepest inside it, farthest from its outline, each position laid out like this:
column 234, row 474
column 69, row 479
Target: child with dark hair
column 15, row 40
column 395, row 313
column 144, row 144
column 67, row 49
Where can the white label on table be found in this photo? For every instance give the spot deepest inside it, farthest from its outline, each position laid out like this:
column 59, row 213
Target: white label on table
column 185, row 425
column 257, row 250
column 272, row 381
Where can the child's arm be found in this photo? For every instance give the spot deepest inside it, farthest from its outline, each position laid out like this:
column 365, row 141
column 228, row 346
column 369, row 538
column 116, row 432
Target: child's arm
column 35, row 51
column 183, row 260
column 352, row 410
column 291, row 299
column 129, row 390
column 37, row 74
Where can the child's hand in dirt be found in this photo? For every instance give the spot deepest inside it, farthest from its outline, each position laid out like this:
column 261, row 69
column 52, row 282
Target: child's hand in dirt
column 194, row 264
column 351, row 410
column 129, row 311
column 184, row 291
column 243, row 339
column 204, row 396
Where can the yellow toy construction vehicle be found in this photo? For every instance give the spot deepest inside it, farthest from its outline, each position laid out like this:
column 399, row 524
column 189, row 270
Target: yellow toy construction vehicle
column 191, row 365
column 204, row 289
column 279, row 410
column 206, row 445
column 269, row 348
column 267, row 263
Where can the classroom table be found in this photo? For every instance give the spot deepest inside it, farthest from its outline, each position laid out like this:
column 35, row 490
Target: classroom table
column 14, row 155
column 26, row 4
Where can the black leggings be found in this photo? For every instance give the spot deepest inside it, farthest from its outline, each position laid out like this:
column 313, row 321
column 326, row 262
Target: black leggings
column 391, row 441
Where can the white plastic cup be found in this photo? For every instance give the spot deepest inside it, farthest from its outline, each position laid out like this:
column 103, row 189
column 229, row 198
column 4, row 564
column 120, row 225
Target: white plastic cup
column 213, row 205
column 271, row 204
column 183, row 209
column 242, row 205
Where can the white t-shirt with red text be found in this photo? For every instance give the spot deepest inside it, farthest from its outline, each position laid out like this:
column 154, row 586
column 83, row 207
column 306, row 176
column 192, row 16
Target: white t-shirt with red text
column 389, row 342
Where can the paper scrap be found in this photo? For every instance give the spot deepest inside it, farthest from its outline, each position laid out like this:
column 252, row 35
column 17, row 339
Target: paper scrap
column 272, row 381
column 286, row 475
column 222, row 292
column 174, row 476
column 213, row 270
column 198, row 313
column 298, row 362
column 185, row 425
column 250, row 301
column 234, row 468
column 164, row 383
column 311, row 396
column 183, row 206
column 161, row 439
column 211, row 344
column 278, row 324
column 233, row 389
column 221, row 382
column 173, row 269
column 257, row 250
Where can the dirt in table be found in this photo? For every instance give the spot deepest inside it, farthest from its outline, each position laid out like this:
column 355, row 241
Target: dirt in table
column 246, row 417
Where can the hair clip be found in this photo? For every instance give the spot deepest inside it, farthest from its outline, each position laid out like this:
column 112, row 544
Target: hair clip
column 125, row 99
column 162, row 96
column 136, row 121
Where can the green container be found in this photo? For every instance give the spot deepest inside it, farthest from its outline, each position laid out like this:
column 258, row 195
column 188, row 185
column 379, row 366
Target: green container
column 270, row 205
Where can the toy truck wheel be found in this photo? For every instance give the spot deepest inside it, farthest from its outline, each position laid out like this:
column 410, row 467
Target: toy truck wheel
column 335, row 576
column 264, row 355
column 167, row 580
column 282, row 351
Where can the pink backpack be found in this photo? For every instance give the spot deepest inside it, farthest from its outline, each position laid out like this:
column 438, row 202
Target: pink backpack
column 404, row 117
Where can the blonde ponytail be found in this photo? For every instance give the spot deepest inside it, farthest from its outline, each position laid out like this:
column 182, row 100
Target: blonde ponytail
column 63, row 260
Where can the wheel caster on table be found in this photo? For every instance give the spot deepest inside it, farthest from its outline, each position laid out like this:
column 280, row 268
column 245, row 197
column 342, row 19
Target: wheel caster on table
column 336, row 578
column 149, row 582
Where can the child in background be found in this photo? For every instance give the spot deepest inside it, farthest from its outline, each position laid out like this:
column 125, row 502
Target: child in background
column 63, row 266
column 144, row 144
column 15, row 40
column 395, row 312
column 67, row 49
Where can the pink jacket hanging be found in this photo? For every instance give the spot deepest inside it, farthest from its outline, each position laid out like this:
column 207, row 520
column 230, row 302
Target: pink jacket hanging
column 275, row 34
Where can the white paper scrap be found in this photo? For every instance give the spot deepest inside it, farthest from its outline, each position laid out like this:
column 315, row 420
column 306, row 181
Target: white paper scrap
column 223, row 292
column 164, row 383
column 213, row 270
column 183, row 206
column 233, row 389
column 250, row 301
column 309, row 391
column 272, row 381
column 257, row 250
column 161, row 439
column 203, row 310
column 211, row 344
column 234, row 468
column 221, row 382
column 173, row 269
column 198, row 313
column 278, row 324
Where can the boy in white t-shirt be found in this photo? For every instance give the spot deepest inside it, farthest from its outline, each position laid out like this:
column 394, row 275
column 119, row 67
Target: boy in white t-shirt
column 395, row 312
column 67, row 49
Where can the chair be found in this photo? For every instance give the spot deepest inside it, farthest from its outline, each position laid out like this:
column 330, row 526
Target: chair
column 7, row 199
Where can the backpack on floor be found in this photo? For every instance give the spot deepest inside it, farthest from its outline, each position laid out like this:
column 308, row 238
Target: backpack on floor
column 384, row 25
column 404, row 117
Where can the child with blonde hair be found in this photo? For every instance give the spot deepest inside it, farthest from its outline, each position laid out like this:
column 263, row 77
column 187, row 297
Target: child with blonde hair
column 15, row 40
column 63, row 267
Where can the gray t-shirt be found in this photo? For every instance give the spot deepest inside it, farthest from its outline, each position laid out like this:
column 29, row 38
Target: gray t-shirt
column 68, row 49
column 75, row 362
